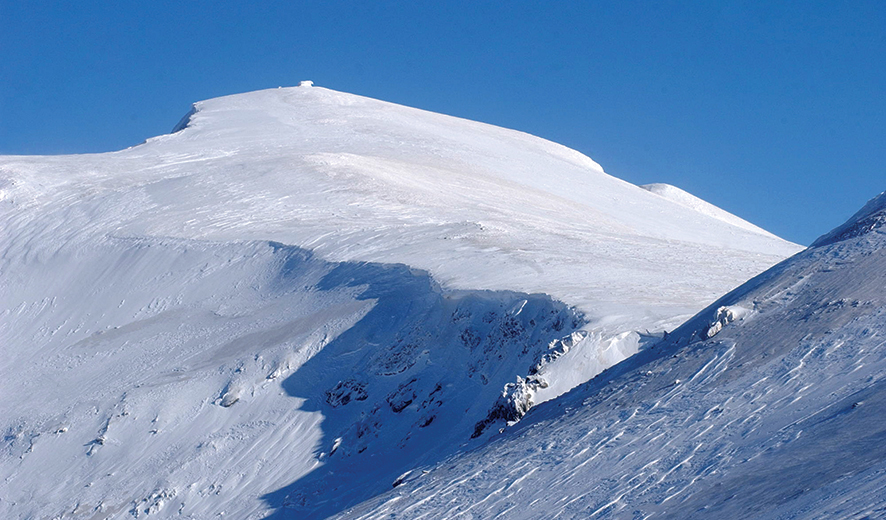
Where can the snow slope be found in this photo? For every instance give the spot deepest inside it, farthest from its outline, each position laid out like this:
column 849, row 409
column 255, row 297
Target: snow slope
column 767, row 404
column 301, row 293
column 689, row 200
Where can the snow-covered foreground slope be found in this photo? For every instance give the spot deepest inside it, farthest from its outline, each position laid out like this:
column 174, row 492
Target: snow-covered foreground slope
column 303, row 293
column 768, row 404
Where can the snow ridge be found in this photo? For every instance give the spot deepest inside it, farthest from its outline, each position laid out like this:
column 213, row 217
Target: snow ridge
column 301, row 293
column 688, row 200
column 765, row 405
column 872, row 217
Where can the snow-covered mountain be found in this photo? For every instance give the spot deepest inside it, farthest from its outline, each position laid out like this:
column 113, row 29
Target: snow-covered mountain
column 301, row 293
column 767, row 404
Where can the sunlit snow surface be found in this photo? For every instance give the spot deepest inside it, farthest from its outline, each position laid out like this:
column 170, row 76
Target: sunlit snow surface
column 778, row 414
column 302, row 294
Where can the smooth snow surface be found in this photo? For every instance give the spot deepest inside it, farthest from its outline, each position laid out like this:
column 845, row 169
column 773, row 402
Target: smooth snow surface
column 683, row 198
column 777, row 413
column 300, row 295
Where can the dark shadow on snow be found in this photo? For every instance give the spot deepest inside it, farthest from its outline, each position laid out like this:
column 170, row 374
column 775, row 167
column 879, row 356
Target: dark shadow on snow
column 408, row 384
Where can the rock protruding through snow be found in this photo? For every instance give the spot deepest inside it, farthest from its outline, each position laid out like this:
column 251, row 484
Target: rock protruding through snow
column 147, row 273
column 772, row 412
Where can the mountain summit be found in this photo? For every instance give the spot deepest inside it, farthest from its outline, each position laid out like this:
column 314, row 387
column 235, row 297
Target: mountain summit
column 302, row 292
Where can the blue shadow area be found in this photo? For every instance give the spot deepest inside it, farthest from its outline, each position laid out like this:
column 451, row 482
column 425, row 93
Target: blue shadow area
column 407, row 385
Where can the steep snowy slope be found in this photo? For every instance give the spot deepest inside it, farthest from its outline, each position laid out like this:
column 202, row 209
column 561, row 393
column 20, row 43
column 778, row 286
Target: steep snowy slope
column 303, row 292
column 768, row 404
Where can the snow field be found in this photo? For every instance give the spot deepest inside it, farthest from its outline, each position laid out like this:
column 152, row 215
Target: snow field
column 301, row 294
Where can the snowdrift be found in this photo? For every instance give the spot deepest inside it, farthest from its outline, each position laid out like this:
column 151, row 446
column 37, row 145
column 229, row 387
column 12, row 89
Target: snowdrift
column 767, row 404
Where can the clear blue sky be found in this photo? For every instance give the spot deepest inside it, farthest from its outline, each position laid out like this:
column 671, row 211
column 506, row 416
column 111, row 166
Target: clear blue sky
column 775, row 111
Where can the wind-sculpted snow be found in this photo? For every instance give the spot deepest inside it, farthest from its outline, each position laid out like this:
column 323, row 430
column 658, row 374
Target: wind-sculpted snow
column 153, row 403
column 777, row 414
column 359, row 180
column 410, row 382
column 299, row 295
